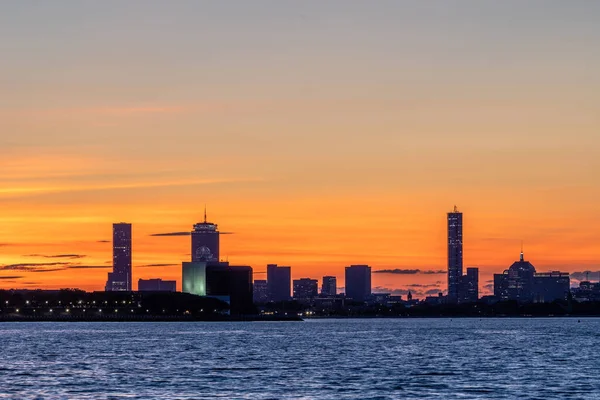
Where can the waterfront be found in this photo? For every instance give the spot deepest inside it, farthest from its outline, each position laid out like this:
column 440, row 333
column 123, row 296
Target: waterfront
column 550, row 358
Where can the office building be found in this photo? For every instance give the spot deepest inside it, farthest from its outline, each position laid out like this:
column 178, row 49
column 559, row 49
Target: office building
column 468, row 290
column 231, row 284
column 120, row 278
column 358, row 282
column 156, row 285
column 261, row 291
column 455, row 253
column 205, row 241
column 279, row 282
column 522, row 283
column 329, row 286
column 306, row 288
column 193, row 278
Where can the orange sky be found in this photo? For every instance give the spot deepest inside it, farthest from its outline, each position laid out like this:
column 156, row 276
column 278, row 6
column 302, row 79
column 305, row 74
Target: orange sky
column 342, row 139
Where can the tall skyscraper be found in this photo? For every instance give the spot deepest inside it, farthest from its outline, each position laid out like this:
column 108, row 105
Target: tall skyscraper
column 358, row 282
column 120, row 278
column 455, row 253
column 329, row 286
column 205, row 241
column 279, row 282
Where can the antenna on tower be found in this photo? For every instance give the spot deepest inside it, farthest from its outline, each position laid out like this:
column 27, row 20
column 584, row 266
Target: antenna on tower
column 455, row 209
column 204, row 213
column 522, row 255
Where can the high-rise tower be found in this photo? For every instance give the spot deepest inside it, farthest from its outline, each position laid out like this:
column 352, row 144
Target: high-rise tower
column 205, row 241
column 120, row 278
column 455, row 253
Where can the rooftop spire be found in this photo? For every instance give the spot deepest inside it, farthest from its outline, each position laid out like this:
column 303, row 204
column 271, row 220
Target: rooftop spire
column 205, row 213
column 522, row 255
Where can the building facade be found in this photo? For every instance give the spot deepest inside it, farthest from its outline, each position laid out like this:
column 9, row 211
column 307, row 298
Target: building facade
column 121, row 277
column 261, row 291
column 205, row 241
column 306, row 288
column 468, row 290
column 358, row 282
column 156, row 285
column 523, row 284
column 279, row 282
column 329, row 286
column 455, row 253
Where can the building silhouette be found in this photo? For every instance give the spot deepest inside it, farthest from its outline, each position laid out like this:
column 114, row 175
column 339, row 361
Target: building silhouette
column 468, row 290
column 205, row 241
column 231, row 284
column 358, row 282
column 156, row 285
column 455, row 254
column 193, row 278
column 261, row 291
column 329, row 286
column 120, row 278
column 306, row 288
column 522, row 283
column 279, row 281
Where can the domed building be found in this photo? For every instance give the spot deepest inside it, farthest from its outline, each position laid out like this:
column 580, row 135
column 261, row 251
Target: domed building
column 522, row 283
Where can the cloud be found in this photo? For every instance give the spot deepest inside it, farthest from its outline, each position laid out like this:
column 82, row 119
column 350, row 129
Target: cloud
column 47, row 270
column 11, row 277
column 157, row 265
column 432, row 292
column 172, row 234
column 417, row 285
column 397, row 271
column 394, row 292
column 585, row 275
column 68, row 256
column 32, row 267
column 103, row 241
column 89, row 266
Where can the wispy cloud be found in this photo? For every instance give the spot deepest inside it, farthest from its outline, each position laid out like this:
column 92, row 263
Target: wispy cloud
column 32, row 267
column 11, row 277
column 157, row 265
column 88, row 267
column 172, row 234
column 399, row 271
column 103, row 241
column 67, row 256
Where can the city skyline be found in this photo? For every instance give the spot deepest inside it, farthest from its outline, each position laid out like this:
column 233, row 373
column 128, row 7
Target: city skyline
column 338, row 142
column 164, row 271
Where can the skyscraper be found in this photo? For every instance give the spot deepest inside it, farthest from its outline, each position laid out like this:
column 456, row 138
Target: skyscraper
column 279, row 282
column 329, row 286
column 205, row 241
column 120, row 278
column 358, row 282
column 455, row 253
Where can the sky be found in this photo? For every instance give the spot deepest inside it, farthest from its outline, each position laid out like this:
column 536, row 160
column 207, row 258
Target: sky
column 321, row 134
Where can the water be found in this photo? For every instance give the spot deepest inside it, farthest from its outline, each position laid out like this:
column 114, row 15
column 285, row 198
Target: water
column 319, row 359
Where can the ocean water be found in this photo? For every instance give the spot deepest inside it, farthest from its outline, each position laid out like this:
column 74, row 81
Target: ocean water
column 317, row 359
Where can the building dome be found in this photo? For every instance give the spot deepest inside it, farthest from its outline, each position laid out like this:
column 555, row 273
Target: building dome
column 521, row 268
